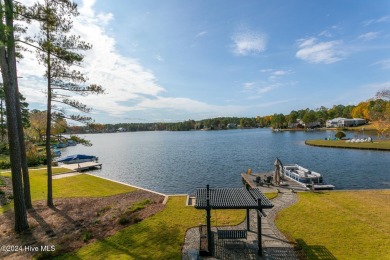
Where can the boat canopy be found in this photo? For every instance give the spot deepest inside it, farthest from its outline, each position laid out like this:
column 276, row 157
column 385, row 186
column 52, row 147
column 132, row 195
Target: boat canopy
column 77, row 157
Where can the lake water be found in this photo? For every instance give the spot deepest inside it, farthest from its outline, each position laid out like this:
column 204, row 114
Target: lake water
column 180, row 162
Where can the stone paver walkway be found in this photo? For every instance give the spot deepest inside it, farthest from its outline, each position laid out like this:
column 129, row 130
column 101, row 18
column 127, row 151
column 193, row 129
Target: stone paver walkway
column 275, row 244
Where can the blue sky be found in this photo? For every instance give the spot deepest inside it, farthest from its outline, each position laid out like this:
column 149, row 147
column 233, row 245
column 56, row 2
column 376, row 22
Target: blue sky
column 179, row 60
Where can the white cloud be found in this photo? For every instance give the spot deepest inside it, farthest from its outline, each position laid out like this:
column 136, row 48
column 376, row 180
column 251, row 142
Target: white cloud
column 274, row 80
column 185, row 104
column 246, row 42
column 248, row 85
column 129, row 85
column 312, row 51
column 325, row 33
column 280, row 72
column 200, row 34
column 159, row 58
column 382, row 19
column 263, row 90
column 385, row 64
column 275, row 74
column 330, row 31
column 368, row 36
column 105, row 18
column 257, row 90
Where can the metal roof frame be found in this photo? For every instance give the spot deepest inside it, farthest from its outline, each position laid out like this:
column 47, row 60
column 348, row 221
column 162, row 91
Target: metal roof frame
column 232, row 198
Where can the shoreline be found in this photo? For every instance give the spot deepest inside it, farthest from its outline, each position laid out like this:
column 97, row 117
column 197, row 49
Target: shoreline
column 73, row 173
column 343, row 145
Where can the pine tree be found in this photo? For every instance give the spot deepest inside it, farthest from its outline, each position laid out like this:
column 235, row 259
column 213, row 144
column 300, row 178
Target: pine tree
column 9, row 74
column 22, row 122
column 59, row 52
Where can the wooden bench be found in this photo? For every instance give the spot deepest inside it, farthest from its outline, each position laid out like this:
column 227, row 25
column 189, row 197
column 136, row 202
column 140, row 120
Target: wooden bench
column 231, row 234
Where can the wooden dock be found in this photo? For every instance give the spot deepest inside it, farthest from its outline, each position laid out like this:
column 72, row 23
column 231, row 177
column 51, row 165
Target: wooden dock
column 79, row 167
column 287, row 183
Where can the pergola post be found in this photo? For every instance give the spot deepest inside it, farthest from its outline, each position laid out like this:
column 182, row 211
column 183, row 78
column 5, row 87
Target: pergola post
column 231, row 198
column 260, row 252
column 248, row 226
column 208, row 221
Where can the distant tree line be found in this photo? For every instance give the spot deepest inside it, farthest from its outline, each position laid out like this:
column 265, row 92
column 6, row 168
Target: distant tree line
column 371, row 110
column 206, row 124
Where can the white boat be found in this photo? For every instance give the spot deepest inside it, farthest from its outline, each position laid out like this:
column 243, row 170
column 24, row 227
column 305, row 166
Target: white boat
column 305, row 177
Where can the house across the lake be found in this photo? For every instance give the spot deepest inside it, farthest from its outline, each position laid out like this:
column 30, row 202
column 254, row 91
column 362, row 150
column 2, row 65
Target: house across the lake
column 345, row 122
column 231, row 126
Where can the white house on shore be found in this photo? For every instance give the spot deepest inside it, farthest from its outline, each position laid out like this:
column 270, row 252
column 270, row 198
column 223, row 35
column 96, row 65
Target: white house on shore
column 345, row 122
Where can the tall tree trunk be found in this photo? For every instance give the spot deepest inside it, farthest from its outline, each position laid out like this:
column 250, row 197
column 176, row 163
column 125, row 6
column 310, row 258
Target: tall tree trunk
column 48, row 154
column 9, row 80
column 12, row 61
column 48, row 128
column 2, row 120
column 23, row 157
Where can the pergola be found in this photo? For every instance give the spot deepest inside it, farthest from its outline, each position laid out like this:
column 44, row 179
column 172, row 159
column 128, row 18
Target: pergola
column 232, row 198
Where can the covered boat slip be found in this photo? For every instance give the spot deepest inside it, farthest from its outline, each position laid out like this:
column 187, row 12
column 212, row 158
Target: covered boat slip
column 79, row 167
column 77, row 158
column 231, row 198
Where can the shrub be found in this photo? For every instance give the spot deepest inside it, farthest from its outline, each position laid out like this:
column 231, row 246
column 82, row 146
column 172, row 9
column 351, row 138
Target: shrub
column 340, row 135
column 127, row 219
column 2, row 182
column 103, row 210
column 34, row 157
column 4, row 148
column 124, row 220
column 5, row 164
column 139, row 205
column 87, row 235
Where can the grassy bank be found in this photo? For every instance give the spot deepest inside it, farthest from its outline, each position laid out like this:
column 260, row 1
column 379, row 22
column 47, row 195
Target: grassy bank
column 340, row 225
column 76, row 186
column 383, row 145
column 158, row 237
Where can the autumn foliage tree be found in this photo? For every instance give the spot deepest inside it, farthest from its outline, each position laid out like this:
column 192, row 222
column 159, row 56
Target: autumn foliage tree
column 361, row 110
column 381, row 110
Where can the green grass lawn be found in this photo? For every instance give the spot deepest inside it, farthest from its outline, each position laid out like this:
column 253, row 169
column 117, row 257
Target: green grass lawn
column 377, row 144
column 158, row 237
column 346, row 225
column 76, row 186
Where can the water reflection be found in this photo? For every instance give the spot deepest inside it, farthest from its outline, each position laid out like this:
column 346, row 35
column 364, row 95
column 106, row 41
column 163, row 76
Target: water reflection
column 179, row 162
